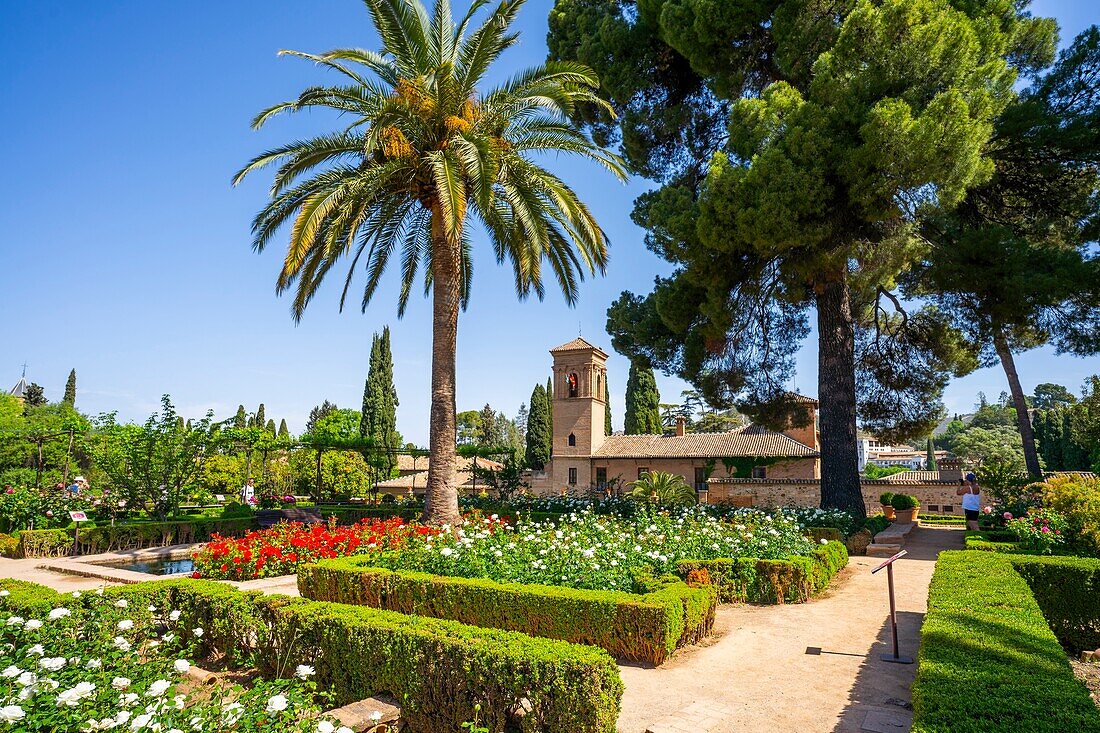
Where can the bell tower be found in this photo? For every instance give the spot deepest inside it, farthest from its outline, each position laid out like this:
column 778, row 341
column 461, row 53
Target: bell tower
column 578, row 402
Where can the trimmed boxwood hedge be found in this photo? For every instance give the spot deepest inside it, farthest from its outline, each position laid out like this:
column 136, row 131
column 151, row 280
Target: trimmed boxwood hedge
column 1067, row 590
column 795, row 579
column 438, row 670
column 640, row 628
column 59, row 542
column 988, row 660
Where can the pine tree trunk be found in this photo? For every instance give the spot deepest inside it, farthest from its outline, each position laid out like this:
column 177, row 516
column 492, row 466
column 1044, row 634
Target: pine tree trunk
column 441, row 495
column 836, row 388
column 1023, row 420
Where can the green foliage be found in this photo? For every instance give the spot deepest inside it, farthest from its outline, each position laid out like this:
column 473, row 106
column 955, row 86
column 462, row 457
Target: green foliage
column 904, row 501
column 643, row 413
column 156, row 462
column 34, row 396
column 132, row 536
column 539, row 435
column 1067, row 589
column 223, row 474
column 988, row 660
column 993, row 542
column 343, row 472
column 379, row 415
column 1078, row 499
column 1041, row 531
column 284, row 432
column 885, row 498
column 641, row 628
column 607, row 429
column 873, row 471
column 1049, row 396
column 662, row 488
column 792, row 580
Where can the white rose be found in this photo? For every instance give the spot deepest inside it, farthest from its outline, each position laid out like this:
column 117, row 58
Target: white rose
column 158, row 688
column 182, row 666
column 277, row 704
column 174, row 616
column 125, row 624
column 121, row 603
column 11, row 713
column 76, row 594
column 325, row 727
column 59, row 613
column 122, row 717
column 141, row 721
column 37, row 649
column 15, row 621
column 121, row 644
column 12, row 671
column 303, row 671
column 27, row 679
column 94, row 664
column 52, row 663
column 128, row 699
column 33, row 624
column 198, row 632
column 120, row 683
column 4, row 593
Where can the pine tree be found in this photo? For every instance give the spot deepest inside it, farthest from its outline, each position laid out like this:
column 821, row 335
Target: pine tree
column 70, row 389
column 379, row 416
column 643, row 412
column 240, row 420
column 930, row 459
column 606, row 409
column 261, row 418
column 270, row 427
column 35, row 396
column 539, row 434
column 284, row 432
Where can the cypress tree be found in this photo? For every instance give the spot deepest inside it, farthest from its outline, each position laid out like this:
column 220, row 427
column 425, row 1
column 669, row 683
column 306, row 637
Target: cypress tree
column 606, row 408
column 240, row 420
column 70, row 389
column 539, row 435
column 261, row 418
column 550, row 405
column 270, row 427
column 643, row 412
column 930, row 459
column 284, row 432
column 379, row 416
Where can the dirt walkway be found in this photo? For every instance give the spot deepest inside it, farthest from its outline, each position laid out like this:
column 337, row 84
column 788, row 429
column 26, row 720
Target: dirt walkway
column 762, row 670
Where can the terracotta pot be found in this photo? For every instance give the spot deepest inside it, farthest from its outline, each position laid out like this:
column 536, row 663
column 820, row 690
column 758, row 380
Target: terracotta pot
column 907, row 516
column 888, row 512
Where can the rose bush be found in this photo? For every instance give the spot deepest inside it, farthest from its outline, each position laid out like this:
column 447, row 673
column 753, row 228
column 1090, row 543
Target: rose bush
column 1040, row 531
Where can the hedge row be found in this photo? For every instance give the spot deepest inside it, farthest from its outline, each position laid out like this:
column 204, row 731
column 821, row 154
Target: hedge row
column 988, row 660
column 353, row 514
column 1067, row 590
column 792, row 580
column 439, row 670
column 640, row 628
column 59, row 542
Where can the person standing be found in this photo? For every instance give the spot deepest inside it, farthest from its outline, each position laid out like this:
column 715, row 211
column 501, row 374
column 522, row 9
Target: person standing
column 971, row 500
column 248, row 493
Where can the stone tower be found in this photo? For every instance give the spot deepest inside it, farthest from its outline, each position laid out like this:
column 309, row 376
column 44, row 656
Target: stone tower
column 580, row 381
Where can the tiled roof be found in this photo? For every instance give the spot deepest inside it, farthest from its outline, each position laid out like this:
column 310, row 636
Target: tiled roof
column 744, row 442
column 577, row 344
column 921, row 476
column 802, row 398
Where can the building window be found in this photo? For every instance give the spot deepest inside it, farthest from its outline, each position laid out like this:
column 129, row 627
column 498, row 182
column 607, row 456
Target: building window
column 700, row 478
column 599, row 387
column 574, row 383
column 759, row 471
column 572, row 439
column 643, row 471
column 572, row 477
column 601, row 478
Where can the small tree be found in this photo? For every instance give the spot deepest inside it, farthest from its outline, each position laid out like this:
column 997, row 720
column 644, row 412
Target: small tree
column 930, row 458
column 70, row 389
column 35, row 396
column 284, row 431
column 607, row 430
column 539, row 438
column 643, row 413
column 663, row 488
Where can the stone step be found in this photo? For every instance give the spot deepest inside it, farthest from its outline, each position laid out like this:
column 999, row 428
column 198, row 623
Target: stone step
column 361, row 716
column 880, row 550
column 699, row 717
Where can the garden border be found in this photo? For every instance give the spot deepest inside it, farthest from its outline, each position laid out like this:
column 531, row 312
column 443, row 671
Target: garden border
column 795, row 579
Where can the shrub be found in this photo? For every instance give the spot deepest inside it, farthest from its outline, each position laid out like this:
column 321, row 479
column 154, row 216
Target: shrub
column 9, row 546
column 885, row 498
column 440, row 670
column 59, row 542
column 236, row 510
column 876, row 522
column 793, row 580
column 641, row 628
column 1067, row 589
column 988, row 661
column 1078, row 498
column 904, row 501
column 994, row 541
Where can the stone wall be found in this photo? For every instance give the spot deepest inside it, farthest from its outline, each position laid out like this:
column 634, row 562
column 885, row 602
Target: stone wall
column 935, row 498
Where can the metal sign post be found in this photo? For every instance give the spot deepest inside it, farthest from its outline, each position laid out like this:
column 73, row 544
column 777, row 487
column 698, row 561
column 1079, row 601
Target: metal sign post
column 77, row 518
column 896, row 658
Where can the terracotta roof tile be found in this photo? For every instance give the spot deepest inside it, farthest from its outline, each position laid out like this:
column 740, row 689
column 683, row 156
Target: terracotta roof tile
column 577, row 344
column 737, row 443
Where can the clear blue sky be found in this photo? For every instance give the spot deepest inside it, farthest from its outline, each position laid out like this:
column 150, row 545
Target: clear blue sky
column 126, row 253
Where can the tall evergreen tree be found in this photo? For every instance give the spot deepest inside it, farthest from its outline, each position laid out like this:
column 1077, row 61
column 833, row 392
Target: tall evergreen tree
column 379, row 420
column 796, row 144
column 240, row 420
column 270, row 427
column 930, row 456
column 35, row 396
column 261, row 416
column 606, row 409
column 643, row 411
column 70, row 389
column 284, row 431
column 550, row 403
column 539, row 435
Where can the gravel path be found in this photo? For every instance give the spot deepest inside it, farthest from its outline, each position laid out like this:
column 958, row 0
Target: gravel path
column 755, row 674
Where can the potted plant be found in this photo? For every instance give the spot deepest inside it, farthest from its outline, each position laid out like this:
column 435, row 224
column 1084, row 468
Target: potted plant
column 906, row 507
column 887, row 508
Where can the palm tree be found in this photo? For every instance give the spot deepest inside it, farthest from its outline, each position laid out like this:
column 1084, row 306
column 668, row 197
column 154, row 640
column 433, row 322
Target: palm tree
column 663, row 488
column 423, row 150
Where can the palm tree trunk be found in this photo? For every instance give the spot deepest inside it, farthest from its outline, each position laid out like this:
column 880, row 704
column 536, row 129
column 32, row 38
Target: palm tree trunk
column 836, row 385
column 1023, row 420
column 441, row 495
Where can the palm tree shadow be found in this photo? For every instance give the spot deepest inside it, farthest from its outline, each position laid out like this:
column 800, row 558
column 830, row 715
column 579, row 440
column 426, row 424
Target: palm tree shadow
column 880, row 695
